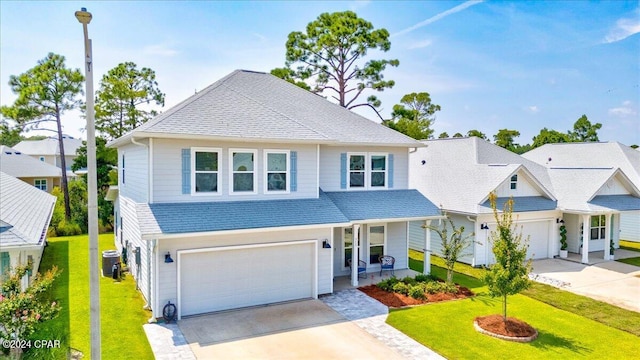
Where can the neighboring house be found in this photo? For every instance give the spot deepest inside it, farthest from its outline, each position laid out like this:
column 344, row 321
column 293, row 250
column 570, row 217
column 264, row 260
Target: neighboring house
column 459, row 174
column 48, row 150
column 25, row 213
column 36, row 173
column 598, row 163
column 255, row 191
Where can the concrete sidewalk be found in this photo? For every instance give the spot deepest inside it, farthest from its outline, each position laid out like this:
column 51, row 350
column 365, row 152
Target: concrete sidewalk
column 612, row 282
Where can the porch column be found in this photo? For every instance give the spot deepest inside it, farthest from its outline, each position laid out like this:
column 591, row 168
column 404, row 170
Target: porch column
column 607, row 236
column 586, row 231
column 355, row 250
column 427, row 249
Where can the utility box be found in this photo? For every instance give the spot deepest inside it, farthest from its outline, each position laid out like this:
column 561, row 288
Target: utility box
column 109, row 258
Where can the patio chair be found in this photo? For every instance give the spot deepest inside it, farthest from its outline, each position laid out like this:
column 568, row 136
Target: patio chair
column 362, row 268
column 386, row 263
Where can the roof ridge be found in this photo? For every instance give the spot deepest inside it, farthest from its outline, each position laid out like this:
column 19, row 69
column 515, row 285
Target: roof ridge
column 275, row 110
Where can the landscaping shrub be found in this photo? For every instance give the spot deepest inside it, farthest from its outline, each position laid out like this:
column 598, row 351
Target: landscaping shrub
column 401, row 288
column 423, row 278
column 68, row 229
column 417, row 292
column 409, row 280
column 387, row 285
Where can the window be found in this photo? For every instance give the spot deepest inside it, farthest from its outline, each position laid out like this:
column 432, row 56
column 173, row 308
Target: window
column 598, row 227
column 357, row 170
column 41, row 184
column 243, row 179
column 514, row 182
column 347, row 245
column 378, row 170
column 377, row 240
column 205, row 163
column 5, row 263
column 276, row 171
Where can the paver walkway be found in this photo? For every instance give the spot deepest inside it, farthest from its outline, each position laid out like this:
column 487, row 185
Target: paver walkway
column 371, row 315
column 167, row 342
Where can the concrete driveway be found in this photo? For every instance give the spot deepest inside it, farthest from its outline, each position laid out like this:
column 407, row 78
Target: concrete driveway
column 297, row 330
column 612, row 282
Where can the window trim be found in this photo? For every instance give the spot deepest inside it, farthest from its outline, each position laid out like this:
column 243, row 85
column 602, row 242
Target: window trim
column 46, row 185
column 366, row 173
column 513, row 183
column 371, row 171
column 267, row 152
column 232, row 172
column 194, row 150
column 384, row 244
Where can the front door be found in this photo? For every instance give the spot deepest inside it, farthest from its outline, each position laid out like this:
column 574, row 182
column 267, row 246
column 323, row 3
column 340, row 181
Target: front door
column 347, row 238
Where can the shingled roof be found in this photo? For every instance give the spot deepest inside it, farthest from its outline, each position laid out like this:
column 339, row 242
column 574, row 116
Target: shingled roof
column 20, row 165
column 254, row 106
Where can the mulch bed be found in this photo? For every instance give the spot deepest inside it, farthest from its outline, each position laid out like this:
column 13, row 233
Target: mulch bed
column 396, row 300
column 512, row 329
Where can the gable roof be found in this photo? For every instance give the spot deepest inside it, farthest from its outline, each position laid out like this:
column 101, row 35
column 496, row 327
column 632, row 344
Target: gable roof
column 255, row 106
column 20, row 165
column 49, row 146
column 25, row 212
column 458, row 174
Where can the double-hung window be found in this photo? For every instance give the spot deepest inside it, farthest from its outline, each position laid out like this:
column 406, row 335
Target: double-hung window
column 206, row 167
column 243, row 173
column 357, row 170
column 277, row 171
column 40, row 184
column 598, row 227
column 378, row 171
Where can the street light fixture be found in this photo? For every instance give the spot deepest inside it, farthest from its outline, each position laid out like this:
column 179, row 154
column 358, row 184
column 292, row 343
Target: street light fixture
column 84, row 17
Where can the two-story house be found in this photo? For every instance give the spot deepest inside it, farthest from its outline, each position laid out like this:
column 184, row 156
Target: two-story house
column 255, row 191
column 48, row 150
column 40, row 174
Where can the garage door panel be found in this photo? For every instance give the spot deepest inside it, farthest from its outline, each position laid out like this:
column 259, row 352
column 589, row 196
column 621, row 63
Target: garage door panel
column 232, row 278
column 538, row 233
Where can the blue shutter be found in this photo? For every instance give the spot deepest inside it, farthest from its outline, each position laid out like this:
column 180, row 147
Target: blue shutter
column 390, row 171
column 5, row 263
column 186, row 171
column 294, row 171
column 343, row 171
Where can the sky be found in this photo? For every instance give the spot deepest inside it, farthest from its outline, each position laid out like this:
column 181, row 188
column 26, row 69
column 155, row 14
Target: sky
column 490, row 65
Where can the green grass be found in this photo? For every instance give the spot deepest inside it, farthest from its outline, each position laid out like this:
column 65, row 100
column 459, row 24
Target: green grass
column 570, row 325
column 629, row 245
column 631, row 261
column 121, row 305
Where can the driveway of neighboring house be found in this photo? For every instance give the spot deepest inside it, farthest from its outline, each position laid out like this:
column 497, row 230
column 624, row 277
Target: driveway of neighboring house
column 612, row 281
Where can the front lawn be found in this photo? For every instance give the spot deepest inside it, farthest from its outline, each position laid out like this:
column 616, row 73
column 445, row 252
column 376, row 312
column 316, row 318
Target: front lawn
column 121, row 305
column 631, row 261
column 570, row 325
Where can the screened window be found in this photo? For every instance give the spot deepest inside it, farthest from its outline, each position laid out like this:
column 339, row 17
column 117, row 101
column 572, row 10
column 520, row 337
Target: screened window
column 206, row 171
column 378, row 170
column 514, row 182
column 376, row 243
column 243, row 171
column 277, row 171
column 41, row 184
column 357, row 171
column 598, row 227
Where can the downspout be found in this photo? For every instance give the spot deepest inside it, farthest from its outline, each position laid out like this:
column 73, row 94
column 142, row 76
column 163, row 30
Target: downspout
column 475, row 241
column 151, row 246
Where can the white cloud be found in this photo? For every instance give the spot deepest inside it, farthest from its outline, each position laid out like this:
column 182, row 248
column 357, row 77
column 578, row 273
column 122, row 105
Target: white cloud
column 260, row 37
column 359, row 4
column 159, row 50
column 533, row 108
column 624, row 111
column 419, row 44
column 623, row 29
column 439, row 16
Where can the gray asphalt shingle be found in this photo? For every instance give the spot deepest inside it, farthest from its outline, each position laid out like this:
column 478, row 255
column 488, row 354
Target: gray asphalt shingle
column 383, row 204
column 17, row 164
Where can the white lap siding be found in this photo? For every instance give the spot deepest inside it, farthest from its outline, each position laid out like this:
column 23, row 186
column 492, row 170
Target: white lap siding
column 131, row 236
column 167, row 272
column 630, row 226
column 135, row 183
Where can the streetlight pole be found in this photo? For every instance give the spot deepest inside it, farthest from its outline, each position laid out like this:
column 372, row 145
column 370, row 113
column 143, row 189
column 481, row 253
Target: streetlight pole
column 84, row 17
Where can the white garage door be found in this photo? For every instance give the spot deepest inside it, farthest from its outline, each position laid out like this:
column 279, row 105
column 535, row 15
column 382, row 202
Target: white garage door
column 233, row 277
column 538, row 233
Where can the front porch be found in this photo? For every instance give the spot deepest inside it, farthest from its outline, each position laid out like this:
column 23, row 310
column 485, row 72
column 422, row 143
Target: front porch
column 344, row 282
column 597, row 257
